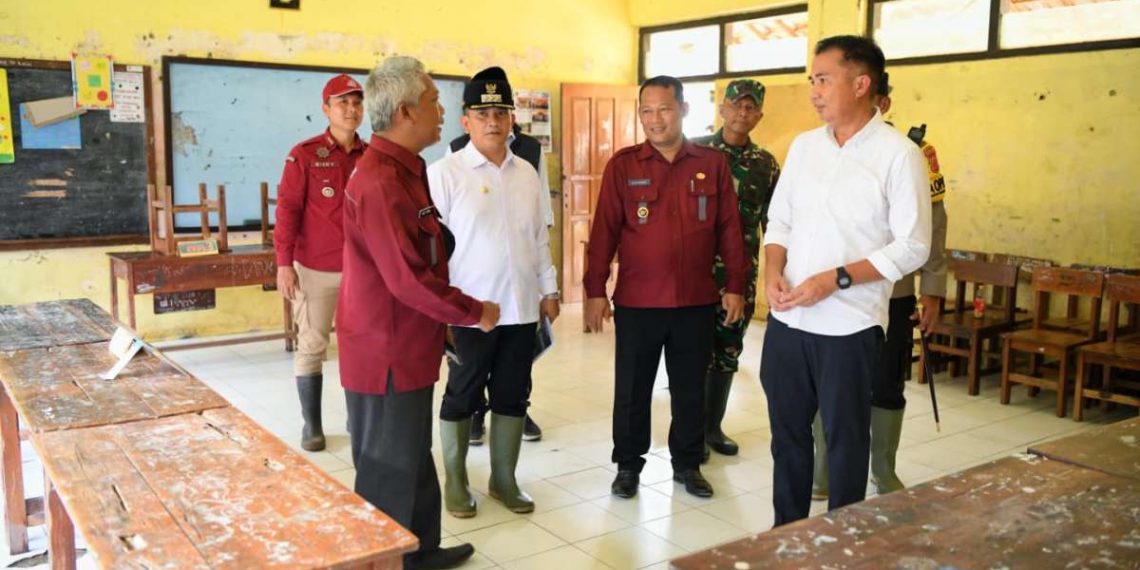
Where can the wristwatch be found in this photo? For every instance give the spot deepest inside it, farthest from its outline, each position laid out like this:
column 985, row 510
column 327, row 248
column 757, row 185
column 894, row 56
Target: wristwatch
column 842, row 277
column 557, row 296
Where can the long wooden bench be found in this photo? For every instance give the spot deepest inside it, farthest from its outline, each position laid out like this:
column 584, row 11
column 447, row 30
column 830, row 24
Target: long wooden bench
column 1026, row 511
column 154, row 468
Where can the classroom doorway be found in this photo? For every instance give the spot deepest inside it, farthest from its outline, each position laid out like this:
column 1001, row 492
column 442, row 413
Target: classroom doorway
column 597, row 120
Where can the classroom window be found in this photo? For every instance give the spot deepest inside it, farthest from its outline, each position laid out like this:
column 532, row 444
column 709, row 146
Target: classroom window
column 913, row 28
column 1026, row 23
column 773, row 42
column 701, row 120
column 919, row 31
column 760, row 43
column 685, row 52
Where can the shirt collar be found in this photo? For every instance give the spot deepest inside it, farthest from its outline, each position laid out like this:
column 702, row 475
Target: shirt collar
column 718, row 139
column 863, row 134
column 412, row 162
column 647, row 151
column 472, row 158
column 331, row 144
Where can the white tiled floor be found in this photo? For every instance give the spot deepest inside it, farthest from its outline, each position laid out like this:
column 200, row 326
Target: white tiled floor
column 576, row 523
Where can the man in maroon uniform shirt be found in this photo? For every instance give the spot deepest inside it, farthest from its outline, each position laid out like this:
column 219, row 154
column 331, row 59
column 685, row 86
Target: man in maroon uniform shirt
column 394, row 301
column 669, row 207
column 309, row 238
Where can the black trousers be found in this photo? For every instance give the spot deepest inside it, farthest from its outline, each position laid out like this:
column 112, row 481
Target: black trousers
column 686, row 336
column 498, row 361
column 890, row 383
column 391, row 450
column 801, row 373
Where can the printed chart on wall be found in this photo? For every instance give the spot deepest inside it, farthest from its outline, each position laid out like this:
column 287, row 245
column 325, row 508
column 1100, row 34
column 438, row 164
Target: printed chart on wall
column 233, row 123
column 532, row 113
column 91, row 76
column 7, row 148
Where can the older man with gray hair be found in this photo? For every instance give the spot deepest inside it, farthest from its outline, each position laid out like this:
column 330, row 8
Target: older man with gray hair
column 394, row 302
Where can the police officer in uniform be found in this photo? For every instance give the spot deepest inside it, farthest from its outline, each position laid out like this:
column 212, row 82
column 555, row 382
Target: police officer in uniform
column 754, row 172
column 669, row 206
column 309, row 238
column 887, row 399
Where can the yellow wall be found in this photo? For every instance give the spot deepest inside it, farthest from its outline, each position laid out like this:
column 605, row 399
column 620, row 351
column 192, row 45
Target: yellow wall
column 541, row 44
column 1039, row 152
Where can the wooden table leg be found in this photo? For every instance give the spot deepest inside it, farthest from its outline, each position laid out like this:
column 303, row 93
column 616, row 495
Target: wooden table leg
column 15, row 511
column 114, row 292
column 61, row 531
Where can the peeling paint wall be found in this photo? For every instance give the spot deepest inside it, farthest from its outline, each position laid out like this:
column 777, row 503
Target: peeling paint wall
column 540, row 44
column 1040, row 153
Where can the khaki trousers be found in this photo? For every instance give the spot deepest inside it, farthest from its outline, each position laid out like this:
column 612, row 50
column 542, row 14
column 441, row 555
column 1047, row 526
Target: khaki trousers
column 313, row 310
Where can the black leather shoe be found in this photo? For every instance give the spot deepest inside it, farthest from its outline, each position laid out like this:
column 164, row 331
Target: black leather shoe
column 438, row 558
column 625, row 484
column 695, row 483
column 722, row 444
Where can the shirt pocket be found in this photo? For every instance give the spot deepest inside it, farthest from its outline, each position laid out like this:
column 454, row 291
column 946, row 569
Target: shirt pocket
column 325, row 184
column 700, row 203
column 643, row 206
column 431, row 241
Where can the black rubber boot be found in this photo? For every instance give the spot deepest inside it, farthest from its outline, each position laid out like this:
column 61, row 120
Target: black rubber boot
column 717, row 387
column 309, row 389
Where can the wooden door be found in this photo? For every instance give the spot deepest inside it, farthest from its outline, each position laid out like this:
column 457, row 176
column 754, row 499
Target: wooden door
column 597, row 120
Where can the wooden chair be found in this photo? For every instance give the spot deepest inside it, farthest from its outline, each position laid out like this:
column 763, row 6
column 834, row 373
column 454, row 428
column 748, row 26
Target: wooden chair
column 959, row 326
column 161, row 211
column 266, row 202
column 1040, row 341
column 1119, row 351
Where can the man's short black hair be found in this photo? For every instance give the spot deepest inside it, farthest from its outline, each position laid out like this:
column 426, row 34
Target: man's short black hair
column 860, row 50
column 665, row 81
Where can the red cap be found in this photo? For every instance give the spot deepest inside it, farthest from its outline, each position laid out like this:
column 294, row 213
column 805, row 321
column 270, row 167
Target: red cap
column 341, row 85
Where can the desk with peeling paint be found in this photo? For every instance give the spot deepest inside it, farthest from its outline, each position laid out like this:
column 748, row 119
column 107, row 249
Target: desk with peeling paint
column 1113, row 449
column 210, row 490
column 148, row 272
column 1018, row 512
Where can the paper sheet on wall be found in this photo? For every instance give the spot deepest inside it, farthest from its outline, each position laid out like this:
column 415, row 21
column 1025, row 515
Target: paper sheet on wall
column 532, row 113
column 7, row 146
column 127, row 92
column 61, row 135
column 91, row 77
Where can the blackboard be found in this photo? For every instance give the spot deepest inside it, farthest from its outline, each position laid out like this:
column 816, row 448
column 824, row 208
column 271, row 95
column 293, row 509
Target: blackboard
column 95, row 194
column 233, row 122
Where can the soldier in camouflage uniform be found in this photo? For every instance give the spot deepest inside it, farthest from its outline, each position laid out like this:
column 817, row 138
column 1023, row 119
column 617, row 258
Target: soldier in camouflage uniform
column 754, row 173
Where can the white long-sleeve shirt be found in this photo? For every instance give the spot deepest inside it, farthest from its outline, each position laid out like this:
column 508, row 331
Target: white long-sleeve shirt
column 502, row 245
column 835, row 205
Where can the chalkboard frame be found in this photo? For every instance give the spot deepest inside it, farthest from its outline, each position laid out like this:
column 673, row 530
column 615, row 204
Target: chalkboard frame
column 168, row 139
column 90, row 241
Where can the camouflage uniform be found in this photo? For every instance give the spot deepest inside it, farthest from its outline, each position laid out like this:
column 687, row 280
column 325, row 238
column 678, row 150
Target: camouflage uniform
column 754, row 173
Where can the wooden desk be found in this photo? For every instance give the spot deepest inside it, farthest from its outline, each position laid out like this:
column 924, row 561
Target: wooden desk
column 1018, row 512
column 58, row 388
column 53, row 323
column 210, row 490
column 1112, row 449
column 147, row 272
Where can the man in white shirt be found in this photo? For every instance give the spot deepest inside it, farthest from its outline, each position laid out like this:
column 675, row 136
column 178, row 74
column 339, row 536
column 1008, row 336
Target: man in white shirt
column 850, row 215
column 491, row 200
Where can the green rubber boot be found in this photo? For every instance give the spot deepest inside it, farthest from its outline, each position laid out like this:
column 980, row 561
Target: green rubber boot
column 819, row 476
column 718, row 385
column 886, row 429
column 456, row 489
column 506, row 439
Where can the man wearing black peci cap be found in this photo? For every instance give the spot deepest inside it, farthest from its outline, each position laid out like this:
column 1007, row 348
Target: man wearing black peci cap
column 492, row 201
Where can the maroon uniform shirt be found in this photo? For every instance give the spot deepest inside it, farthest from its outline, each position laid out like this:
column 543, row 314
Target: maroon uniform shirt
column 310, row 203
column 667, row 222
column 394, row 294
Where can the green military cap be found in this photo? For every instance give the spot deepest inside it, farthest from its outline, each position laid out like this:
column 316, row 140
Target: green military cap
column 745, row 88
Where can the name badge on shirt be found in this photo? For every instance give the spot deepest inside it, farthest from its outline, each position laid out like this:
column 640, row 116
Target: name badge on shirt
column 639, row 182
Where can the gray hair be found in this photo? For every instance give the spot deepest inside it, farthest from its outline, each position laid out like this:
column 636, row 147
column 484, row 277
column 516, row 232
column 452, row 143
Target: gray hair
column 398, row 79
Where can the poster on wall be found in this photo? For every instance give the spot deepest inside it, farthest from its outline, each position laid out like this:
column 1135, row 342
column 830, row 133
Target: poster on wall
column 7, row 146
column 91, row 81
column 532, row 113
column 127, row 93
